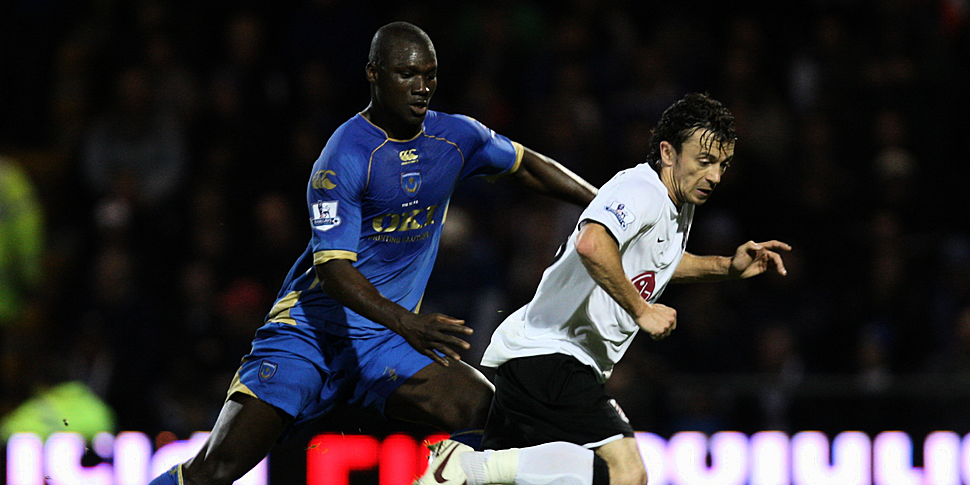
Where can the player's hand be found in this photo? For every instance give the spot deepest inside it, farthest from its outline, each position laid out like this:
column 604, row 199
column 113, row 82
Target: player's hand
column 430, row 332
column 752, row 259
column 658, row 320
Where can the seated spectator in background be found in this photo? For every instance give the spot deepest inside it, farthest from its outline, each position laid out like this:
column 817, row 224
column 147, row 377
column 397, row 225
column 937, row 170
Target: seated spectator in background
column 136, row 151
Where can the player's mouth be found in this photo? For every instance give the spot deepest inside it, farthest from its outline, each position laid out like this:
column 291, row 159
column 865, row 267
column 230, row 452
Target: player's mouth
column 705, row 193
column 419, row 108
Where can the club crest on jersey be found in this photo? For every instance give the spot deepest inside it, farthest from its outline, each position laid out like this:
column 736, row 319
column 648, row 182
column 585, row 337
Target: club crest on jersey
column 411, row 182
column 645, row 283
column 324, row 215
column 267, row 370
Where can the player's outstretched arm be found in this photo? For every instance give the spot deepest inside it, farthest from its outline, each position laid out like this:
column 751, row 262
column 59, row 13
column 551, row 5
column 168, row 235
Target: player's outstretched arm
column 601, row 256
column 427, row 333
column 750, row 259
column 547, row 176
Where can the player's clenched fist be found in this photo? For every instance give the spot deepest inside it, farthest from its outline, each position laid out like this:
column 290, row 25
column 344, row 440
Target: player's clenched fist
column 658, row 320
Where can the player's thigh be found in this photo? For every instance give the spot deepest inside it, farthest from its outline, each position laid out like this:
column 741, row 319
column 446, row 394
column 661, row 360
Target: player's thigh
column 450, row 398
column 624, row 460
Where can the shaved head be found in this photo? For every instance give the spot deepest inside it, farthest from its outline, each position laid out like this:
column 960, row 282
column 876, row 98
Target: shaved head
column 402, row 70
column 396, row 35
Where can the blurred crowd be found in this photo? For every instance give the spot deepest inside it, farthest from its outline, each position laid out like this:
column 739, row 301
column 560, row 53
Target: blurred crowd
column 161, row 150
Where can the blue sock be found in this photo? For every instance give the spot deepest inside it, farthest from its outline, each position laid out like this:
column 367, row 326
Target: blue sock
column 172, row 477
column 470, row 437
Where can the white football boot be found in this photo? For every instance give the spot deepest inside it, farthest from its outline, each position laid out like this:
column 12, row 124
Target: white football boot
column 444, row 466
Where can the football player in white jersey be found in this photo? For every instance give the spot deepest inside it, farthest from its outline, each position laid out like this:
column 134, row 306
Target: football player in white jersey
column 551, row 418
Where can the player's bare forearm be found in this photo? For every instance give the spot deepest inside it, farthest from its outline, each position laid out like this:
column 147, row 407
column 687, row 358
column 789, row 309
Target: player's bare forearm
column 344, row 283
column 430, row 334
column 696, row 269
column 601, row 257
column 750, row 259
column 547, row 176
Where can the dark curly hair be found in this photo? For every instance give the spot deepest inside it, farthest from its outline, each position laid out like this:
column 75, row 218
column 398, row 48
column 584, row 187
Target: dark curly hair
column 678, row 122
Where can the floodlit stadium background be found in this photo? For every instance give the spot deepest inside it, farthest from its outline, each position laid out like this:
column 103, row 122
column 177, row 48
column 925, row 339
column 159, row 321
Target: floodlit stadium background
column 143, row 292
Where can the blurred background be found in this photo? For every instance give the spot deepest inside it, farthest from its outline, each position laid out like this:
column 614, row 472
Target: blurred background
column 154, row 157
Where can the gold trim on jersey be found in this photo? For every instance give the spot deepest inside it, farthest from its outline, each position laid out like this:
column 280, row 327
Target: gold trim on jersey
column 280, row 313
column 321, row 257
column 370, row 163
column 238, row 386
column 444, row 215
column 519, row 153
column 450, row 143
column 385, row 133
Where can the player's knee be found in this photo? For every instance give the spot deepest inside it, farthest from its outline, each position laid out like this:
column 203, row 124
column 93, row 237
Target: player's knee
column 465, row 407
column 451, row 398
column 475, row 400
column 461, row 414
column 479, row 396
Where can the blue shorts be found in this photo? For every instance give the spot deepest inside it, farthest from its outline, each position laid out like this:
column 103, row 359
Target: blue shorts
column 305, row 372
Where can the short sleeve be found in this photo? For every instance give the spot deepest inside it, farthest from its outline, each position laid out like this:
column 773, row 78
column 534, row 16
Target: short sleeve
column 334, row 196
column 626, row 205
column 486, row 152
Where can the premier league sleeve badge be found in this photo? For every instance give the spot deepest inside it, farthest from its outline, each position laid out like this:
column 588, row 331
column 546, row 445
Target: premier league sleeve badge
column 324, row 215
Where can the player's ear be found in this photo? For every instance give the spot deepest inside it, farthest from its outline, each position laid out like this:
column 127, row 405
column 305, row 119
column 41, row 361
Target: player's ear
column 667, row 154
column 370, row 70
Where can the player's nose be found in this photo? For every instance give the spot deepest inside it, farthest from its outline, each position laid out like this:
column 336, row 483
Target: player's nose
column 714, row 176
column 421, row 85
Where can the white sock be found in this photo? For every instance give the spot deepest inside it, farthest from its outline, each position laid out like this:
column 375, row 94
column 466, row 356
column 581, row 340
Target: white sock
column 491, row 466
column 558, row 463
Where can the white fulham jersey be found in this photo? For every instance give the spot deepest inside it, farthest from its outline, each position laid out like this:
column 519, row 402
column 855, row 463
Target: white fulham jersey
column 570, row 313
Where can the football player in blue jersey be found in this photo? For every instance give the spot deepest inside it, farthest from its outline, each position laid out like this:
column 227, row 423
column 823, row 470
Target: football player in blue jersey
column 345, row 328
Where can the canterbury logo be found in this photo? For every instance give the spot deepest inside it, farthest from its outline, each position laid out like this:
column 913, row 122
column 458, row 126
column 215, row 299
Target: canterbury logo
column 408, row 156
column 320, row 180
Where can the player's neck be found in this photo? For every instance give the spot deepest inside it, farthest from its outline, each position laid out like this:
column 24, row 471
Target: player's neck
column 394, row 130
column 667, row 177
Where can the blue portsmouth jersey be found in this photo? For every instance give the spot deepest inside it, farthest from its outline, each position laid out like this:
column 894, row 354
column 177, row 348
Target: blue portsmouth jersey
column 381, row 203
